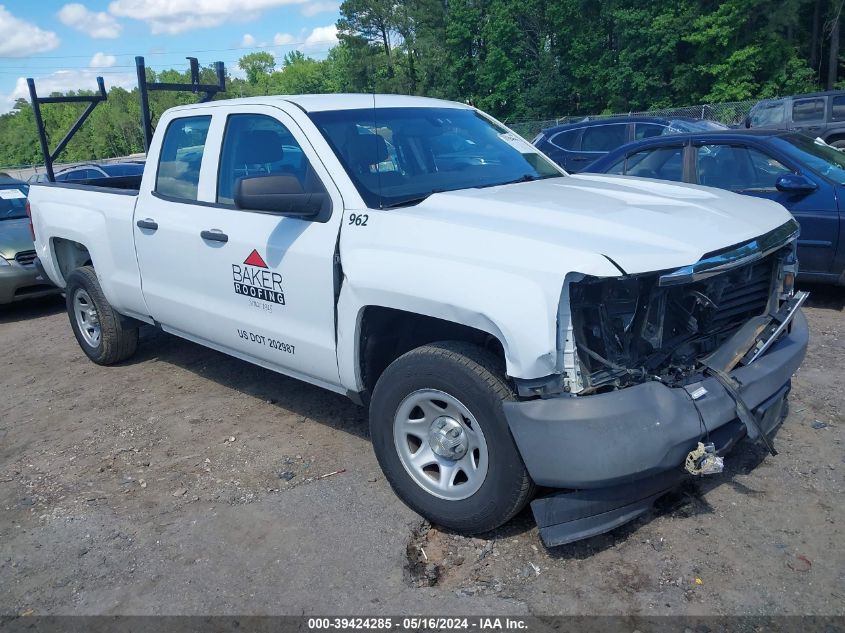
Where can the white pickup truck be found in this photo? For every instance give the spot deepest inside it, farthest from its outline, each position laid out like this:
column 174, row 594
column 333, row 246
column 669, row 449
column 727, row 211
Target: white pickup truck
column 511, row 328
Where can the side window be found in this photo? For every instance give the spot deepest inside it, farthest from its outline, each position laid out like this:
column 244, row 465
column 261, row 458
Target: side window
column 765, row 170
column 838, row 108
column 808, row 110
column 737, row 168
column 647, row 130
column 567, row 140
column 664, row 163
column 181, row 156
column 259, row 145
column 616, row 168
column 603, row 138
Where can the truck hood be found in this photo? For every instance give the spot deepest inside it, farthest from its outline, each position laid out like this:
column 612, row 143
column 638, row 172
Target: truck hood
column 14, row 237
column 642, row 225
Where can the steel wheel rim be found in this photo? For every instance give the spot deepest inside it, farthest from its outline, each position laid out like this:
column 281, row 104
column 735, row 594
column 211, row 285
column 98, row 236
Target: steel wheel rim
column 87, row 318
column 424, row 428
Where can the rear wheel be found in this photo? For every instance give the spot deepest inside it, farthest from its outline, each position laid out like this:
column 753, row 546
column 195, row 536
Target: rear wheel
column 103, row 334
column 442, row 440
column 838, row 144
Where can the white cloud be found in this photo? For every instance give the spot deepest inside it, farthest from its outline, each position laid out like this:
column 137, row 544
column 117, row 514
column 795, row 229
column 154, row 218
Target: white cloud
column 283, row 39
column 247, row 41
column 321, row 37
column 101, row 60
column 177, row 16
column 313, row 8
column 19, row 38
column 65, row 81
column 96, row 24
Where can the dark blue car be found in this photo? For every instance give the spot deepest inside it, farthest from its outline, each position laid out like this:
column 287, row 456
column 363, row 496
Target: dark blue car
column 804, row 175
column 575, row 145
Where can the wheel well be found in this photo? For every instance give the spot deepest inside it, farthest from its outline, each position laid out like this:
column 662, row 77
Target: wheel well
column 70, row 255
column 839, row 136
column 387, row 333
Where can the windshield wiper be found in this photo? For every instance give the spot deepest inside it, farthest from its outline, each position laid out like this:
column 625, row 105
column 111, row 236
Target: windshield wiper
column 523, row 178
column 410, row 202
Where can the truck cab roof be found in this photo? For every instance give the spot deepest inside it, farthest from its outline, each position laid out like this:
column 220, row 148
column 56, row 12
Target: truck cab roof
column 333, row 102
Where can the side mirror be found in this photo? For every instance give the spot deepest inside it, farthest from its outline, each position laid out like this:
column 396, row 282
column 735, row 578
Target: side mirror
column 795, row 183
column 747, row 121
column 280, row 195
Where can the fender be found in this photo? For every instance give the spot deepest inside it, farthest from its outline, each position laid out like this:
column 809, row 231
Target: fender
column 516, row 304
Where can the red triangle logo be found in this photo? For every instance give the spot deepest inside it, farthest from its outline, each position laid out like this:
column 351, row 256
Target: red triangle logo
column 255, row 259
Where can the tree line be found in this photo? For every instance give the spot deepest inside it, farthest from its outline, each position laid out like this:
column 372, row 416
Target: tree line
column 517, row 59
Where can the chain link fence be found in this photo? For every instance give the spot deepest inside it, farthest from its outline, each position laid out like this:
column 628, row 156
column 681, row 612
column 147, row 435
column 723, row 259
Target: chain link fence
column 731, row 114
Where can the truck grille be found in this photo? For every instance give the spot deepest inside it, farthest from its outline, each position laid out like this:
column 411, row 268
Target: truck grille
column 631, row 327
column 745, row 295
column 25, row 258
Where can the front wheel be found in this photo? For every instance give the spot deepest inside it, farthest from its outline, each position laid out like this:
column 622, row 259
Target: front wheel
column 102, row 333
column 441, row 437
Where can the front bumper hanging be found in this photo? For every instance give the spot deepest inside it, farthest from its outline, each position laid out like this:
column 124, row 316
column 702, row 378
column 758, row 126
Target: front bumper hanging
column 617, row 452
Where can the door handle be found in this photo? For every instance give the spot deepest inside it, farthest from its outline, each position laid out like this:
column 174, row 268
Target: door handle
column 149, row 224
column 214, row 235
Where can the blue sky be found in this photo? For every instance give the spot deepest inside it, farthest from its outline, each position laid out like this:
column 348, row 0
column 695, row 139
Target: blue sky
column 65, row 45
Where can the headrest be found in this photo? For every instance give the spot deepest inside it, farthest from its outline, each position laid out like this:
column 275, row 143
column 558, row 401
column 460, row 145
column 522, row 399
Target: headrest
column 260, row 147
column 368, row 149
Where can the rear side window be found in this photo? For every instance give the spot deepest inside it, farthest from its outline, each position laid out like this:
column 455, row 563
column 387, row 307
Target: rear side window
column 603, row 138
column 647, row 130
column 567, row 140
column 808, row 110
column 838, row 108
column 664, row 163
column 181, row 156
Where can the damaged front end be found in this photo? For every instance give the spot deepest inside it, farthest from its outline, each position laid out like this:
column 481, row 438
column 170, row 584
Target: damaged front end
column 661, row 375
column 669, row 327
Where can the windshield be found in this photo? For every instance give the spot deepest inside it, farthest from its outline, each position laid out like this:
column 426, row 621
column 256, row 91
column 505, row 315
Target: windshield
column 400, row 156
column 767, row 113
column 817, row 155
column 13, row 202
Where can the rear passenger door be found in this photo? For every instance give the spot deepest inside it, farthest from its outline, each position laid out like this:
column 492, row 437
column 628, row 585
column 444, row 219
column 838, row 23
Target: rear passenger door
column 254, row 284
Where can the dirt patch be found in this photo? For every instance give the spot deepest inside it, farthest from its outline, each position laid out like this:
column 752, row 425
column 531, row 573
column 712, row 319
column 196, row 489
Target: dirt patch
column 122, row 491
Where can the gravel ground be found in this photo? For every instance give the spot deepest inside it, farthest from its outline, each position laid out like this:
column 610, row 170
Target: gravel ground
column 187, row 482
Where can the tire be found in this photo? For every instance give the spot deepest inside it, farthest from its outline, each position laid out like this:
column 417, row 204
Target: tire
column 838, row 144
column 470, row 382
column 103, row 334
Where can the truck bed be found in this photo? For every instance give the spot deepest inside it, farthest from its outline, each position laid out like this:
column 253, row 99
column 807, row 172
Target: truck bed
column 127, row 185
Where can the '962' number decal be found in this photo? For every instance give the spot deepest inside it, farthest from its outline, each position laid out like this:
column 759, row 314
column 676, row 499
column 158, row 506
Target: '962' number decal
column 358, row 219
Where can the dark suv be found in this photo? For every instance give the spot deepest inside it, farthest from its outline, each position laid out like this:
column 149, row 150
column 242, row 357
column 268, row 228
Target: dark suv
column 820, row 114
column 576, row 145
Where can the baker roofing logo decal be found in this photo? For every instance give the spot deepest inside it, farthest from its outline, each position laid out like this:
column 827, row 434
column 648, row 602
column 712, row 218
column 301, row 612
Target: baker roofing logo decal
column 254, row 279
